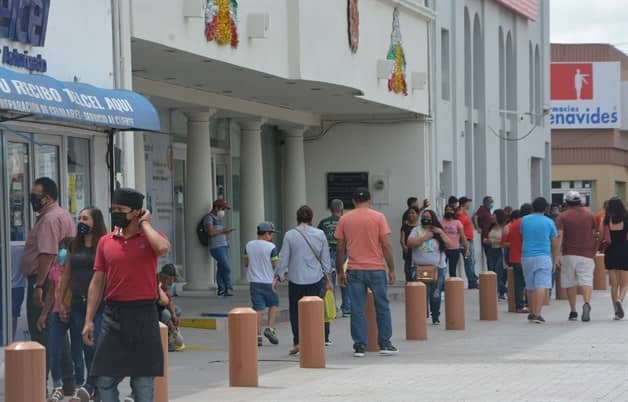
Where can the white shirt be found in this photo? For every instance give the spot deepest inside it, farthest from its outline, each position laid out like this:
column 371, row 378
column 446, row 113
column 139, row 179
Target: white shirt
column 261, row 254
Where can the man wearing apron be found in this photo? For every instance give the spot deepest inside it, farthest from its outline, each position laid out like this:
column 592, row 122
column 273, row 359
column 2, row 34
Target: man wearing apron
column 125, row 266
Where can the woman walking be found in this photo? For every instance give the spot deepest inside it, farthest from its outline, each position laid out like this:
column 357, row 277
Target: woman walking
column 406, row 228
column 495, row 256
column 615, row 241
column 304, row 258
column 76, row 278
column 455, row 231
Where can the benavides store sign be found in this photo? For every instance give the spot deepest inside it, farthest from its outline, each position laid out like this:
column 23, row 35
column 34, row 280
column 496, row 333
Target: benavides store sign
column 24, row 22
column 585, row 95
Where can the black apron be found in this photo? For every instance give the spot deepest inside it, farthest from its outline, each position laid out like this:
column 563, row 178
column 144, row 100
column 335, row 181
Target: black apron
column 129, row 344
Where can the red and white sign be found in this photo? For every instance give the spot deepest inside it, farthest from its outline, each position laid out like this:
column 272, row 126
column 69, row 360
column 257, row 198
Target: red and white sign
column 585, row 95
column 524, row 7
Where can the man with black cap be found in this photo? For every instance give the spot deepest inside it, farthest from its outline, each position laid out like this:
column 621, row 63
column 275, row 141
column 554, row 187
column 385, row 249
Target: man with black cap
column 126, row 264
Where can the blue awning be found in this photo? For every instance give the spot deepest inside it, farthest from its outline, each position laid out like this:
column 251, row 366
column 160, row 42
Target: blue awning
column 48, row 98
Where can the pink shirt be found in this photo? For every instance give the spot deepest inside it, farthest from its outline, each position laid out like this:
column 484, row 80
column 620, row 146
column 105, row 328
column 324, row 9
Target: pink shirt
column 53, row 224
column 452, row 228
column 55, row 274
column 361, row 229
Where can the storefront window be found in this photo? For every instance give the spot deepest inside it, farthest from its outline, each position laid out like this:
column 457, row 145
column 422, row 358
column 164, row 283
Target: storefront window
column 18, row 181
column 47, row 161
column 79, row 182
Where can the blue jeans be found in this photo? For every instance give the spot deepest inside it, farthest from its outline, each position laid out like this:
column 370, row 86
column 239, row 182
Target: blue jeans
column 494, row 258
column 434, row 290
column 223, row 271
column 58, row 341
column 358, row 282
column 345, row 307
column 77, row 322
column 142, row 388
column 469, row 267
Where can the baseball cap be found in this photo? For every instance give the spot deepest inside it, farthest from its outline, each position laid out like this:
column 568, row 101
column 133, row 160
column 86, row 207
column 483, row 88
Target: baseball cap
column 572, row 196
column 463, row 200
column 220, row 203
column 266, row 227
column 361, row 194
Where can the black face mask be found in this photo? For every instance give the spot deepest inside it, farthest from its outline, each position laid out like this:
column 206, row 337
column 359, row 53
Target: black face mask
column 449, row 215
column 119, row 219
column 83, row 229
column 36, row 202
column 426, row 222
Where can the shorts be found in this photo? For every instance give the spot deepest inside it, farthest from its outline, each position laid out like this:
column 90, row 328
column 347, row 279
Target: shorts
column 17, row 298
column 262, row 296
column 537, row 272
column 576, row 271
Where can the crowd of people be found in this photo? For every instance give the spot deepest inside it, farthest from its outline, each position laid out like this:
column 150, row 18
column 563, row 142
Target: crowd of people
column 101, row 287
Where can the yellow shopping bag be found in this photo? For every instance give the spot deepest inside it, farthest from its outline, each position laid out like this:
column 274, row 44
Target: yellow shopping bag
column 330, row 306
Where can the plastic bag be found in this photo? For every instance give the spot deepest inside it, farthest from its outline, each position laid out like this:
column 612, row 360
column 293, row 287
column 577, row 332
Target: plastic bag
column 330, row 306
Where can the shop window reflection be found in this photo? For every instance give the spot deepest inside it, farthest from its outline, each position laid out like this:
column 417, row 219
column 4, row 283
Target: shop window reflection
column 18, row 189
column 79, row 182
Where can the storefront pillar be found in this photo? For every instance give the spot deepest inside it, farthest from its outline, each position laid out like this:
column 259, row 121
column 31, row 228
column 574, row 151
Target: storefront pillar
column 198, row 198
column 251, row 179
column 296, row 192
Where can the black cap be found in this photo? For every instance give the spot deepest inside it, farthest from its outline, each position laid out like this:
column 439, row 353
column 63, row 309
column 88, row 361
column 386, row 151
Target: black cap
column 129, row 198
column 463, row 200
column 168, row 270
column 361, row 194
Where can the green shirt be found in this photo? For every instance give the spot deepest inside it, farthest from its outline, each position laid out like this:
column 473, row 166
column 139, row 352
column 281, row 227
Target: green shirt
column 328, row 225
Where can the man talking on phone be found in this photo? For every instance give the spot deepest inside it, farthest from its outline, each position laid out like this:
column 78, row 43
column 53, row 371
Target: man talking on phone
column 125, row 265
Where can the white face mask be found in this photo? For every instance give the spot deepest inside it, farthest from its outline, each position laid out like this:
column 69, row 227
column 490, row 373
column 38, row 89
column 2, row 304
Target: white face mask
column 221, row 213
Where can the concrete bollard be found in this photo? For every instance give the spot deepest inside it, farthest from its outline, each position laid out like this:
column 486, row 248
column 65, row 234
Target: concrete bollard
column 488, row 296
column 242, row 324
column 561, row 293
column 25, row 372
column 311, row 332
column 161, row 383
column 371, row 322
column 416, row 311
column 454, row 304
column 599, row 274
column 510, row 278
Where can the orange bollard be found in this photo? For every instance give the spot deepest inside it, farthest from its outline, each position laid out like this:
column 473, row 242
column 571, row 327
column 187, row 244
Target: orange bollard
column 25, row 372
column 599, row 274
column 561, row 293
column 312, row 332
column 371, row 322
column 454, row 304
column 510, row 278
column 488, row 296
column 161, row 383
column 416, row 310
column 242, row 324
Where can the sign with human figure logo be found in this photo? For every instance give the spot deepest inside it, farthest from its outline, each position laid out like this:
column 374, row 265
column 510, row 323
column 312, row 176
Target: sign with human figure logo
column 585, row 95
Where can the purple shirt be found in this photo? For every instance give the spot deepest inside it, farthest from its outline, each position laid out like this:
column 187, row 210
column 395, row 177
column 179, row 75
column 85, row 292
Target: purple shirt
column 53, row 224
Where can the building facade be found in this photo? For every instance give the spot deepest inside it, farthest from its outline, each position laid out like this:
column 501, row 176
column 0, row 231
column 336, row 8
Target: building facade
column 590, row 139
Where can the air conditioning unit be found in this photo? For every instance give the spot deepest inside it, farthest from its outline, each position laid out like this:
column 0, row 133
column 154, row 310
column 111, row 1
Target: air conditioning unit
column 194, row 8
column 257, row 25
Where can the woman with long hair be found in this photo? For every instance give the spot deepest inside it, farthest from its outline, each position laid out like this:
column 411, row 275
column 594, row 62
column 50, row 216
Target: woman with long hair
column 428, row 243
column 79, row 268
column 406, row 228
column 495, row 255
column 615, row 242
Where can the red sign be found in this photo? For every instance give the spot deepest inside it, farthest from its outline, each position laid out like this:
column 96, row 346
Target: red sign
column 571, row 81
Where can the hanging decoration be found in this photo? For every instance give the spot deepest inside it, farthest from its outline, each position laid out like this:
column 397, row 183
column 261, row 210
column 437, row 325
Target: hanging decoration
column 397, row 81
column 353, row 17
column 221, row 22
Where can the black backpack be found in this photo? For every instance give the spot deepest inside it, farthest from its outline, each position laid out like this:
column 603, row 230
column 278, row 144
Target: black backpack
column 201, row 231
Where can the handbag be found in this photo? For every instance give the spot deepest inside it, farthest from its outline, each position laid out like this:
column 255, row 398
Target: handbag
column 427, row 273
column 330, row 306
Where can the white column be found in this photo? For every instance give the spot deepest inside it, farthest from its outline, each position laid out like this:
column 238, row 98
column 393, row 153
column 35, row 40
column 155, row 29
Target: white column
column 251, row 179
column 295, row 194
column 198, row 198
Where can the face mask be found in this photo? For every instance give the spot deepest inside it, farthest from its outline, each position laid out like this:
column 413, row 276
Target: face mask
column 426, row 222
column 119, row 219
column 83, row 228
column 63, row 253
column 36, row 202
column 449, row 215
column 490, row 206
column 221, row 214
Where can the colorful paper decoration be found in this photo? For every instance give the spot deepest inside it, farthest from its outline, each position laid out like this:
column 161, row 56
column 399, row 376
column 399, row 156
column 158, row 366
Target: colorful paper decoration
column 221, row 22
column 397, row 81
column 353, row 17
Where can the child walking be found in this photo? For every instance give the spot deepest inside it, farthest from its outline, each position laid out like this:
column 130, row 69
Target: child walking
column 260, row 257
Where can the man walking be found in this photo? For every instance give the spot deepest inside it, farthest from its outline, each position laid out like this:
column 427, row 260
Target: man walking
column 483, row 220
column 328, row 226
column 40, row 251
column 514, row 241
column 539, row 256
column 469, row 260
column 364, row 233
column 576, row 230
column 219, row 246
column 129, row 344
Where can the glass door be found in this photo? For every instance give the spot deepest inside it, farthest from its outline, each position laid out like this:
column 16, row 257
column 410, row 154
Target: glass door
column 5, row 276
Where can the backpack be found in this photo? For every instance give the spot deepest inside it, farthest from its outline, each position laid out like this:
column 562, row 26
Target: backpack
column 201, row 231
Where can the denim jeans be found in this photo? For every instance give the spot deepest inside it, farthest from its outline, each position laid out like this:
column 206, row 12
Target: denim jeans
column 434, row 290
column 166, row 315
column 469, row 267
column 77, row 322
column 520, row 285
column 358, row 282
column 223, row 271
column 58, row 344
column 453, row 256
column 345, row 306
column 494, row 258
column 142, row 388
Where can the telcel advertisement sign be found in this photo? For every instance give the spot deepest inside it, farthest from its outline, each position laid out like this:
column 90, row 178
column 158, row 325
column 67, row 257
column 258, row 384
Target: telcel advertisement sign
column 585, row 95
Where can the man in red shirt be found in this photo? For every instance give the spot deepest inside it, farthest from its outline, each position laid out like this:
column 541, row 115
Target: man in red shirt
column 483, row 220
column 469, row 260
column 129, row 344
column 512, row 239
